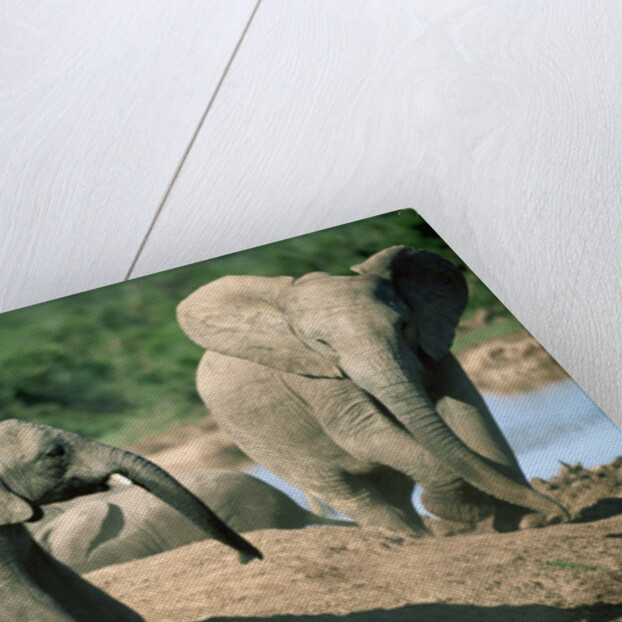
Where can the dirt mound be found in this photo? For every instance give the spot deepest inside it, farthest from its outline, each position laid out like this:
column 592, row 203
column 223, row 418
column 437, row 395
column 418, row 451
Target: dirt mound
column 321, row 574
column 513, row 363
column 192, row 446
column 586, row 493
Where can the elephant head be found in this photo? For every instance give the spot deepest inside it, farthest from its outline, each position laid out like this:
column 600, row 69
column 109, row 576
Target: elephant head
column 263, row 314
column 40, row 464
column 384, row 328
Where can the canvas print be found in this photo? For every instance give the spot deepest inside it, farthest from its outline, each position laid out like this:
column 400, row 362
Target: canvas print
column 347, row 425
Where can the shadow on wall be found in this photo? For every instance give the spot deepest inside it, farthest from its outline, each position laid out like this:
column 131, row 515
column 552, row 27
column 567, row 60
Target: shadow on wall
column 437, row 612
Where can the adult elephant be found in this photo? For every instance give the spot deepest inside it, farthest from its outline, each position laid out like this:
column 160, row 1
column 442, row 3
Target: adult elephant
column 345, row 386
column 127, row 523
column 39, row 465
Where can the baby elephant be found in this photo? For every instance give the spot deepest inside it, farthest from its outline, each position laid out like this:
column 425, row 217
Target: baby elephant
column 40, row 465
column 127, row 523
column 346, row 387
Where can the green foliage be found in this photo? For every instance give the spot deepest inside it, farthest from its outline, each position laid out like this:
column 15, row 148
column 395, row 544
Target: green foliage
column 112, row 363
column 563, row 564
column 502, row 326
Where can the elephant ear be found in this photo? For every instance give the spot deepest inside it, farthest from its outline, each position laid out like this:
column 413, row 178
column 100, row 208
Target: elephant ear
column 240, row 316
column 13, row 509
column 433, row 287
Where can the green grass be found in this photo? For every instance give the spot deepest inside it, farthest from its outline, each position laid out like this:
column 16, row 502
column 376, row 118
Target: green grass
column 496, row 329
column 564, row 564
column 113, row 364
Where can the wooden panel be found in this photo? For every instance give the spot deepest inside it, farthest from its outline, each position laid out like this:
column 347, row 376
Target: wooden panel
column 98, row 102
column 499, row 121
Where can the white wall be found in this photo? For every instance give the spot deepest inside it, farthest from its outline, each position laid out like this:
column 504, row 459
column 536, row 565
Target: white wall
column 499, row 121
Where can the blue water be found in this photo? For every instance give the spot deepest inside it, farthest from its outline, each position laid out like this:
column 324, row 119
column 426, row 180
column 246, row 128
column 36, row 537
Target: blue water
column 556, row 423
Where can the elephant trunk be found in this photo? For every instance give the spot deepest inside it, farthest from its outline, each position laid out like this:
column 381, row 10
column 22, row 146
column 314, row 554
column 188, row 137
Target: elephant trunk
column 152, row 478
column 396, row 383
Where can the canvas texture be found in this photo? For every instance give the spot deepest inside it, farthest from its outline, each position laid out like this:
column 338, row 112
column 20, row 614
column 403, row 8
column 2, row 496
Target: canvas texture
column 354, row 402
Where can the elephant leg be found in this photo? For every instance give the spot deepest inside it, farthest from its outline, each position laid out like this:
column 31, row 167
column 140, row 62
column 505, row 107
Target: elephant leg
column 270, row 419
column 510, row 517
column 464, row 410
column 444, row 494
column 457, row 500
column 368, row 432
column 358, row 496
column 397, row 488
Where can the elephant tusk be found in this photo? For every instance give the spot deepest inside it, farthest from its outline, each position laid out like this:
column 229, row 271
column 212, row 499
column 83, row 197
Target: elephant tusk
column 120, row 479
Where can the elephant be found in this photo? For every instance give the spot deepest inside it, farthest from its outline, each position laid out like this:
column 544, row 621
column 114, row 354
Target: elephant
column 39, row 465
column 127, row 523
column 345, row 386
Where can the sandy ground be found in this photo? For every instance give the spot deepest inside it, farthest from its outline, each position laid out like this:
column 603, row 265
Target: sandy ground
column 322, row 574
column 192, row 446
column 513, row 363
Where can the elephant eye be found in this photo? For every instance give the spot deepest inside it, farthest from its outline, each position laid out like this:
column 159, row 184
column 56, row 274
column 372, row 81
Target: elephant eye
column 322, row 341
column 57, row 450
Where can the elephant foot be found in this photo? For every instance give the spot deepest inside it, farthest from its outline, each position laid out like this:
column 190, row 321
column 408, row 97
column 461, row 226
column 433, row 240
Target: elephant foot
column 463, row 504
column 533, row 520
column 509, row 517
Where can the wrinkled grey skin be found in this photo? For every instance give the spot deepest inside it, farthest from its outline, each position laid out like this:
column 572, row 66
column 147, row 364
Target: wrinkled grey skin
column 124, row 523
column 40, row 465
column 345, row 387
column 35, row 587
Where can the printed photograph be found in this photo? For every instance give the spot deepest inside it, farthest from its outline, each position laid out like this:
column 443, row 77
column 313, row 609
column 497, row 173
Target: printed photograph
column 343, row 426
